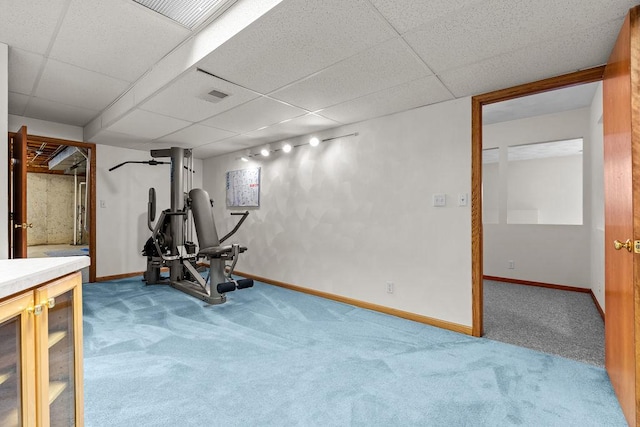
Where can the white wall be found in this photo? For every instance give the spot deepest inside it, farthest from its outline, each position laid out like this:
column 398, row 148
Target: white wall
column 557, row 254
column 50, row 205
column 121, row 199
column 353, row 213
column 4, row 155
column 551, row 187
column 45, row 128
column 597, row 197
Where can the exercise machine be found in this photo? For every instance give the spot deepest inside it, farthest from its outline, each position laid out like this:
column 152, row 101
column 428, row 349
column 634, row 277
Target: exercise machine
column 171, row 246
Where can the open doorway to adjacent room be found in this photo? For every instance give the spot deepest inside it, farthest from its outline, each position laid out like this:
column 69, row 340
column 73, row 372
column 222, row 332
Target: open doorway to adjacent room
column 59, row 188
column 543, row 222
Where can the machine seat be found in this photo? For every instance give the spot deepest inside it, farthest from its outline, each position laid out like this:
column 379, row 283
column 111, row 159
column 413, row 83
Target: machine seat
column 219, row 251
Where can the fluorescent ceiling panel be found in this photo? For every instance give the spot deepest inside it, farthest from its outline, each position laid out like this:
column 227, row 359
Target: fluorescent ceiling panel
column 186, row 13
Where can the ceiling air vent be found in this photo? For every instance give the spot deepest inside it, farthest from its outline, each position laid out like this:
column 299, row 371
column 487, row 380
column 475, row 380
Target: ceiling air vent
column 214, row 96
column 218, row 94
column 186, row 13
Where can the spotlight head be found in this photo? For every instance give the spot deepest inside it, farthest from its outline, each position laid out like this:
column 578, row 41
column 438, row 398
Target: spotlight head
column 314, row 142
column 264, row 152
column 244, row 159
column 286, row 148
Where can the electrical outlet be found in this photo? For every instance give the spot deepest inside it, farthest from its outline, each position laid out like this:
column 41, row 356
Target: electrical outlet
column 439, row 199
column 512, row 265
column 463, row 199
column 103, row 204
column 389, row 287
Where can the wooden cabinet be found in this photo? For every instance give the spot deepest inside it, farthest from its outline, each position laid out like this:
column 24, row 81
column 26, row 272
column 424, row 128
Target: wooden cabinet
column 41, row 355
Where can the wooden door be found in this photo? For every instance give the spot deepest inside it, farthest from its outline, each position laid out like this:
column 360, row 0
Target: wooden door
column 622, row 201
column 19, row 194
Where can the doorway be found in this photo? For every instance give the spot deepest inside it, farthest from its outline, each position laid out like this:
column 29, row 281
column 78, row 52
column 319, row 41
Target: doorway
column 59, row 191
column 543, row 222
column 581, row 77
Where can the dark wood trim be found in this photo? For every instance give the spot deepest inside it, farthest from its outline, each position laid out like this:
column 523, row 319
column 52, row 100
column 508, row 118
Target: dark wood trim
column 118, row 276
column 362, row 304
column 128, row 275
column 477, row 102
column 538, row 284
column 477, row 264
column 572, row 79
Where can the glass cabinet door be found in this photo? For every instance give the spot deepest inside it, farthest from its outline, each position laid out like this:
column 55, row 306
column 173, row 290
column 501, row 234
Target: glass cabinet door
column 17, row 363
column 61, row 362
column 10, row 387
column 60, row 357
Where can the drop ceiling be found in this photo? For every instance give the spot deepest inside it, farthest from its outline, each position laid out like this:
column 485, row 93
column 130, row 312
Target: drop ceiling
column 134, row 78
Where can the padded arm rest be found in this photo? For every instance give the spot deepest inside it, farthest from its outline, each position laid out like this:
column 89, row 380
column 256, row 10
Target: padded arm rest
column 219, row 251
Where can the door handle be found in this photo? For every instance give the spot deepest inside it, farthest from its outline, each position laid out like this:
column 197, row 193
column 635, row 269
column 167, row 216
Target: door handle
column 619, row 245
column 24, row 225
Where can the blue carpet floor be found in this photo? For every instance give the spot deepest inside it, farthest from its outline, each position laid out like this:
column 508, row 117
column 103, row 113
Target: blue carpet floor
column 273, row 357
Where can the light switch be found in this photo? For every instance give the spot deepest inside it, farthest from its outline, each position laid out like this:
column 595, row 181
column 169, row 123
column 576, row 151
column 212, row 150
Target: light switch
column 463, row 199
column 439, row 199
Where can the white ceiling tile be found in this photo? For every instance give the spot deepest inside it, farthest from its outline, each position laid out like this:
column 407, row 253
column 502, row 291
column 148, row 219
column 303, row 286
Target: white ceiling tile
column 44, row 109
column 291, row 128
column 23, row 70
column 417, row 93
column 196, row 135
column 117, row 139
column 299, row 126
column 217, row 148
column 146, row 125
column 577, row 51
column 388, row 64
column 183, row 99
column 17, row 103
column 491, row 28
column 29, row 25
column 405, row 15
column 253, row 115
column 297, row 38
column 115, row 38
column 71, row 85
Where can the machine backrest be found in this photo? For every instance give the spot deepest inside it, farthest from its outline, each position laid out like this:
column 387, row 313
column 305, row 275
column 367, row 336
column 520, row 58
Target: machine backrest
column 203, row 218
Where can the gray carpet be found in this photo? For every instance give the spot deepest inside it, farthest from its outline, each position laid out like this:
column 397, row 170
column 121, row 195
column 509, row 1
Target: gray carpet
column 563, row 323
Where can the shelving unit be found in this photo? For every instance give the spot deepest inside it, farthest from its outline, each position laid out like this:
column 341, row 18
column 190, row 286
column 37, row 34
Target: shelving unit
column 41, row 362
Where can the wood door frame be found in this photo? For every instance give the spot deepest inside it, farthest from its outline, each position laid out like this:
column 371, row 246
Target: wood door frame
column 92, row 190
column 477, row 102
column 17, row 194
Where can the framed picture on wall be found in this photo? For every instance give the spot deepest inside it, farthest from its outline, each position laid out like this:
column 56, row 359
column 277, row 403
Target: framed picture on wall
column 243, row 188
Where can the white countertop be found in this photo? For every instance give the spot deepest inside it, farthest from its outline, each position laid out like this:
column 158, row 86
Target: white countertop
column 16, row 275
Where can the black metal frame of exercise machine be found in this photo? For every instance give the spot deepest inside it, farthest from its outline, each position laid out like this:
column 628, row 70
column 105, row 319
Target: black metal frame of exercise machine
column 168, row 246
